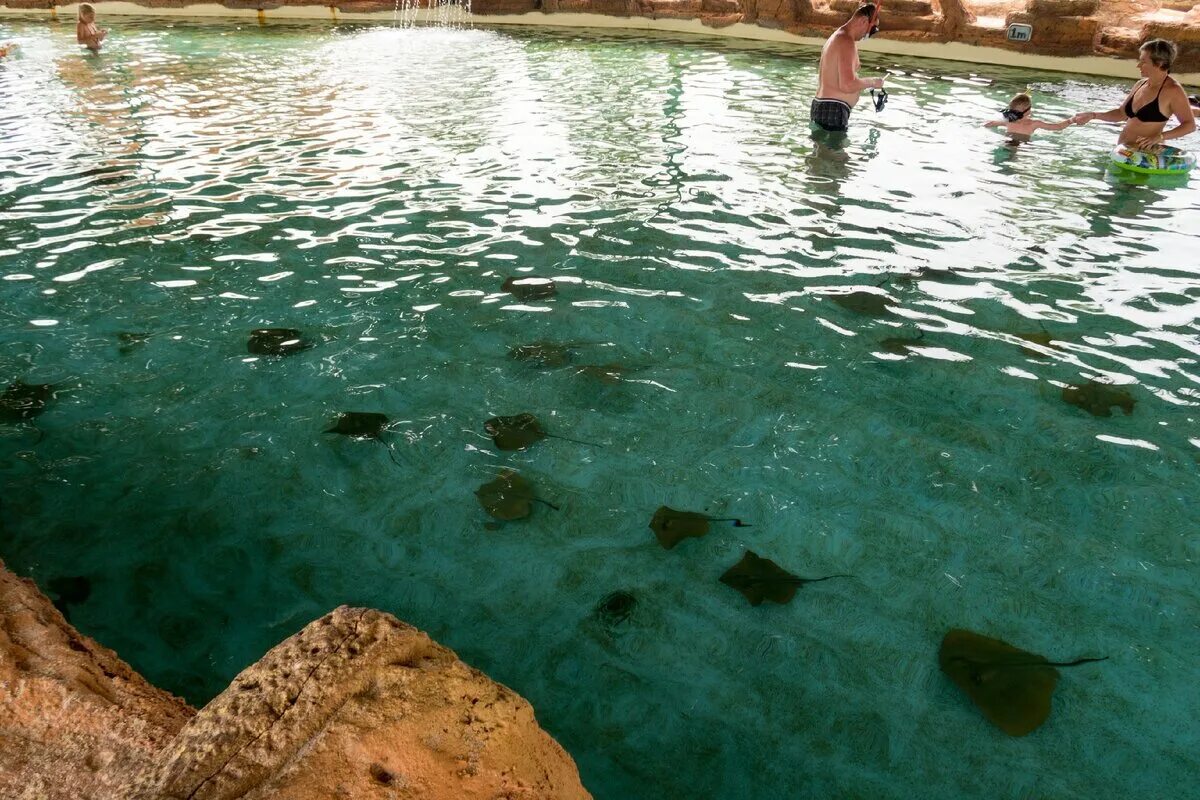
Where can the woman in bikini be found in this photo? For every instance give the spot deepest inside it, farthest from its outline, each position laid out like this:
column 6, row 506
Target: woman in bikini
column 1153, row 101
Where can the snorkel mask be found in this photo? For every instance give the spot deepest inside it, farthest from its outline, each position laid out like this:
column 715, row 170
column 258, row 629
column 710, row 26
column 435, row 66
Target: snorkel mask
column 879, row 97
column 1011, row 115
column 874, row 25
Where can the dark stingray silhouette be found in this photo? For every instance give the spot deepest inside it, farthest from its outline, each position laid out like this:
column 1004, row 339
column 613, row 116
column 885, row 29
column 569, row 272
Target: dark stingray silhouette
column 900, row 344
column 671, row 527
column 509, row 496
column 611, row 374
column 129, row 342
column 364, row 425
column 1012, row 687
column 760, row 579
column 520, row 431
column 860, row 302
column 530, row 287
column 23, row 401
column 277, row 342
column 615, row 608
column 1098, row 399
column 1042, row 337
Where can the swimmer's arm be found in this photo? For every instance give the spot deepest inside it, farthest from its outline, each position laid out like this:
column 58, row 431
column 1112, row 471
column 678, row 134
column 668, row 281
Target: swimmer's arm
column 994, row 123
column 1113, row 115
column 1039, row 125
column 1178, row 103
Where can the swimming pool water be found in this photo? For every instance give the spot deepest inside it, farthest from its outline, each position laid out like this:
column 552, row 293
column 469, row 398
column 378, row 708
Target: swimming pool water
column 375, row 187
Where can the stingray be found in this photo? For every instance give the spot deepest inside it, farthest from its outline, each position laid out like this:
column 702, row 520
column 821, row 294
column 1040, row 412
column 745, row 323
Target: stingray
column 869, row 303
column 519, row 431
column 23, row 401
column 900, row 344
column 363, row 425
column 672, row 527
column 128, row 342
column 1012, row 687
column 606, row 373
column 1043, row 337
column 509, row 497
column 542, row 354
column 530, row 288
column 615, row 608
column 277, row 342
column 1098, row 398
column 69, row 591
column 761, row 579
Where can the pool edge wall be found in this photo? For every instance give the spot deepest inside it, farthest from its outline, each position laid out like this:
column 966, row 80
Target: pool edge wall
column 949, row 51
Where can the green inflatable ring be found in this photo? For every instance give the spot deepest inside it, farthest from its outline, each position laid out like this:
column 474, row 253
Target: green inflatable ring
column 1167, row 161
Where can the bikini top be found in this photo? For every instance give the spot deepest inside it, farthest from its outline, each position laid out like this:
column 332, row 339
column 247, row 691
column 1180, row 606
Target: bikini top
column 1149, row 112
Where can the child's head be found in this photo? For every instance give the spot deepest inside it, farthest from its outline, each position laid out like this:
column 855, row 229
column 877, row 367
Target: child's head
column 1021, row 102
column 1018, row 107
column 87, row 12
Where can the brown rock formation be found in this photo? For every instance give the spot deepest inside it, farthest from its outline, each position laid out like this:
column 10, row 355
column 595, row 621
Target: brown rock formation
column 74, row 718
column 356, row 705
column 1060, row 27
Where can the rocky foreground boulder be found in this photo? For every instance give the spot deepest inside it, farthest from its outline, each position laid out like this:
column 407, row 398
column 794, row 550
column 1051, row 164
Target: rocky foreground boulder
column 355, row 705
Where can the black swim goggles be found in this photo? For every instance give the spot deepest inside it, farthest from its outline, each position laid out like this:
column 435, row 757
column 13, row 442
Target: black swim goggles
column 879, row 97
column 1011, row 115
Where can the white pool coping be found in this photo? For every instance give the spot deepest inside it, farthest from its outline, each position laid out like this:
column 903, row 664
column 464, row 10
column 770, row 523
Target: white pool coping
column 949, row 51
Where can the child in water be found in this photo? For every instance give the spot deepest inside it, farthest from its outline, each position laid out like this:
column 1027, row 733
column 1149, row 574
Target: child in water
column 7, row 49
column 86, row 32
column 1019, row 124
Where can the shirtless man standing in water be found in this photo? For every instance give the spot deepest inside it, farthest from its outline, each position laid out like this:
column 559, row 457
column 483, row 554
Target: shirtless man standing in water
column 838, row 84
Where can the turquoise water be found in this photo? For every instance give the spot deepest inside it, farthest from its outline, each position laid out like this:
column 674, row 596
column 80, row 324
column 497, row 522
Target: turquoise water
column 375, row 187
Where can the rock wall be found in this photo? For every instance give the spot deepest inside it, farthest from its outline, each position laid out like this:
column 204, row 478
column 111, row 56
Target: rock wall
column 1060, row 27
column 356, row 705
column 75, row 720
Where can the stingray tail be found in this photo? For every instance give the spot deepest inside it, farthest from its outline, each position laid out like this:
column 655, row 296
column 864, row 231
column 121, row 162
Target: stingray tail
column 545, row 503
column 391, row 453
column 826, row 578
column 1075, row 663
column 576, row 441
column 737, row 523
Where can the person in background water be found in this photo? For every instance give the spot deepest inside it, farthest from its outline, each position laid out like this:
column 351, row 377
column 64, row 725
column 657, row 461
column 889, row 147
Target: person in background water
column 1019, row 124
column 86, row 32
column 1195, row 101
column 838, row 84
column 1153, row 101
column 7, row 49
